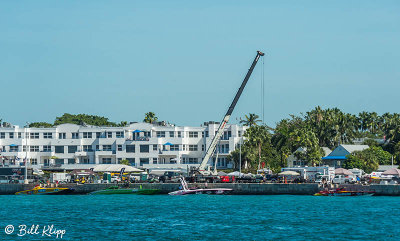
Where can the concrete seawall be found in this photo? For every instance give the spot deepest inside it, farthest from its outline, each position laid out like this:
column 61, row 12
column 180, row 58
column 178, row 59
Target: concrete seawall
column 237, row 188
column 380, row 190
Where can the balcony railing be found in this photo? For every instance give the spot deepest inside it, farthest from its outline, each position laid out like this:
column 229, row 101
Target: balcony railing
column 139, row 138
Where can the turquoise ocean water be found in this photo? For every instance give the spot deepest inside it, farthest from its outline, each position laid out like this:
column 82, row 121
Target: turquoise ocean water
column 201, row 217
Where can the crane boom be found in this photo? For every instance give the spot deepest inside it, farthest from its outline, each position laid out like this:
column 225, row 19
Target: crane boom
column 228, row 114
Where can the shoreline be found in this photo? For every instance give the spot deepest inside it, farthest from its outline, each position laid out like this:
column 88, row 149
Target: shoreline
column 237, row 188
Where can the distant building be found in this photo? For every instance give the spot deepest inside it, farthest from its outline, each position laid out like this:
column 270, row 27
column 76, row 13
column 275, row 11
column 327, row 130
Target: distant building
column 293, row 161
column 142, row 144
column 338, row 155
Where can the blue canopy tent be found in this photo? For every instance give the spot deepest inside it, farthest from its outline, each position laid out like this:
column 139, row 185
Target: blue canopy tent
column 168, row 144
column 137, row 131
column 13, row 145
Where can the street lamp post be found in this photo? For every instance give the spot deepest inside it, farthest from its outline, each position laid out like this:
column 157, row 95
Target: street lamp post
column 26, row 156
column 240, row 156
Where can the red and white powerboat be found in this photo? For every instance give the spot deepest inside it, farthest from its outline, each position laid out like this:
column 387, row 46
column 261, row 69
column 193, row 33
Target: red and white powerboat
column 186, row 190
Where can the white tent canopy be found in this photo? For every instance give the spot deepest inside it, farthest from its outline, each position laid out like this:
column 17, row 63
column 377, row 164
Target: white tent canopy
column 115, row 168
column 236, row 174
column 289, row 173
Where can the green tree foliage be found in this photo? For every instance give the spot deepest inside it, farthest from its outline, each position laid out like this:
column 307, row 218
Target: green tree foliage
column 367, row 160
column 125, row 162
column 150, row 117
column 250, row 120
column 81, row 119
column 320, row 128
column 40, row 124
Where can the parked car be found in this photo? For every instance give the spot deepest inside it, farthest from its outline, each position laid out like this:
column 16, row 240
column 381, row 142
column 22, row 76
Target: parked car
column 342, row 179
column 115, row 179
column 170, row 176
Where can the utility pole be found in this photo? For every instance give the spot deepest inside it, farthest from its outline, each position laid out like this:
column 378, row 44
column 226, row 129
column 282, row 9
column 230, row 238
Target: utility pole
column 392, row 161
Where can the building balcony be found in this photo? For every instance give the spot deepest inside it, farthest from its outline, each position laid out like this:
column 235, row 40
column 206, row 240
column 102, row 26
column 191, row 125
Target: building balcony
column 81, row 153
column 106, row 152
column 139, row 138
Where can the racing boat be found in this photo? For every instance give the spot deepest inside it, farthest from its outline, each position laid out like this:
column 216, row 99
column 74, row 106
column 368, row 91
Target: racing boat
column 46, row 191
column 343, row 192
column 185, row 190
column 117, row 190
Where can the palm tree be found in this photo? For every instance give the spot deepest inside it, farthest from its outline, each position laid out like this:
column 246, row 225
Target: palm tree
column 251, row 120
column 125, row 162
column 150, row 117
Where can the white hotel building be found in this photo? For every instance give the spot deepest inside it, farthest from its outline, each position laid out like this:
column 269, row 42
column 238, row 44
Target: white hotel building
column 143, row 145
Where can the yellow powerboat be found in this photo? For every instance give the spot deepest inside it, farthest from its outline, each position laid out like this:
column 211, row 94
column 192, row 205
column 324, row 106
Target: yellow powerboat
column 46, row 191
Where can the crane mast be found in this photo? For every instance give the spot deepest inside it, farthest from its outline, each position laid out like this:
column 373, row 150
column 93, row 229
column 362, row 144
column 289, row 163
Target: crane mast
column 220, row 130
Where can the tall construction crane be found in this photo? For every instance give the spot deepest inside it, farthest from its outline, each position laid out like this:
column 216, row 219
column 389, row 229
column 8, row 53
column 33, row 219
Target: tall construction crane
column 205, row 169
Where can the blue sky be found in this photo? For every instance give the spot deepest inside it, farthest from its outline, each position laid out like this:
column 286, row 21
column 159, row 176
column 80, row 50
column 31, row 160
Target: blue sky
column 184, row 60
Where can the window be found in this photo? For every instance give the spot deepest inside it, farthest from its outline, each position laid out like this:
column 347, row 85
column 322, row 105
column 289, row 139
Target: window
column 13, row 148
column 46, row 148
column 2, row 135
column 184, row 147
column 59, row 149
column 192, row 147
column 19, row 135
column 171, row 134
column 144, row 148
column 119, row 147
column 47, row 135
column 224, row 148
column 239, row 133
column 106, row 147
column 193, row 134
column 192, row 160
column 155, row 148
column 34, row 135
column 87, row 148
column 33, row 161
column 130, row 148
column 87, row 135
column 109, row 134
column 71, row 161
column 174, row 147
column 85, row 160
column 72, row 149
column 144, row 161
column 202, row 134
column 154, row 160
column 179, row 134
column 59, row 161
column 11, row 134
column 106, row 161
column 160, row 134
column 24, row 148
column 203, row 147
column 119, row 134
column 206, row 133
column 61, row 135
column 34, row 148
column 97, row 148
column 98, row 134
column 75, row 135
column 131, row 161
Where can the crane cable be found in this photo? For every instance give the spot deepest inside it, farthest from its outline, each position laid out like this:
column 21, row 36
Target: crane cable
column 262, row 91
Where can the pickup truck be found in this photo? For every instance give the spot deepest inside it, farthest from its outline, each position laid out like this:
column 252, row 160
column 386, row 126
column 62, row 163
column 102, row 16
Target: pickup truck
column 342, row 179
